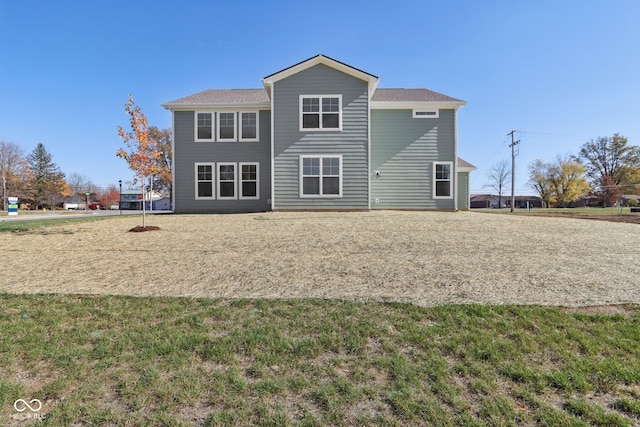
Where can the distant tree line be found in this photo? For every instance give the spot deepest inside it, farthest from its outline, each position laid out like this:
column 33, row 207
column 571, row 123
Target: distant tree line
column 603, row 170
column 39, row 183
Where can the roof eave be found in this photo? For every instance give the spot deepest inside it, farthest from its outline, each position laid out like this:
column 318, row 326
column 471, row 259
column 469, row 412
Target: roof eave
column 192, row 106
column 403, row 105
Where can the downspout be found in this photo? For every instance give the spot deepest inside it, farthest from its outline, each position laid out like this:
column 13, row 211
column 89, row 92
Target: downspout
column 173, row 162
column 455, row 159
column 273, row 183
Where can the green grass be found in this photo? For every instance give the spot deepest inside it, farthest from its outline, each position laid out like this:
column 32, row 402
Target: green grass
column 178, row 361
column 584, row 210
column 36, row 224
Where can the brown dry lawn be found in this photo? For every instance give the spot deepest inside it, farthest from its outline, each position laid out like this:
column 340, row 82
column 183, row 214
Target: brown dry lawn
column 424, row 257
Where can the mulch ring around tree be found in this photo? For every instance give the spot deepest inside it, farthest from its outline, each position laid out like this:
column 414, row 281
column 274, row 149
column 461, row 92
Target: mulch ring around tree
column 139, row 228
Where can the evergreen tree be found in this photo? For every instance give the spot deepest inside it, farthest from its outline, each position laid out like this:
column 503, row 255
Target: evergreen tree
column 47, row 181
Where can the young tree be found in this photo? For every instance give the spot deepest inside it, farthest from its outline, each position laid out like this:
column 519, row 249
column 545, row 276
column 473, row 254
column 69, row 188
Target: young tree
column 141, row 154
column 13, row 171
column 609, row 157
column 161, row 140
column 499, row 176
column 47, row 183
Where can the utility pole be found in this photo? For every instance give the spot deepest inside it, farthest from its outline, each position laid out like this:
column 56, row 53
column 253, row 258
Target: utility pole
column 513, row 168
column 4, row 192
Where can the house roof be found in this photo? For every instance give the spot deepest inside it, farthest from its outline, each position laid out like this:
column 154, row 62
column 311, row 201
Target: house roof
column 465, row 166
column 410, row 95
column 222, row 97
column 260, row 98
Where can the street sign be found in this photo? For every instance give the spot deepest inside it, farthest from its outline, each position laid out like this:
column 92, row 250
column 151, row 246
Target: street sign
column 12, row 205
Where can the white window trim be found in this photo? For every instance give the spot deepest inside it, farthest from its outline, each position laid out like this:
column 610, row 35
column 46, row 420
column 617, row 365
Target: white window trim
column 240, row 181
column 235, row 180
column 213, row 126
column 301, row 176
column 450, row 180
column 320, row 129
column 426, row 114
column 240, row 138
column 235, row 127
column 213, row 180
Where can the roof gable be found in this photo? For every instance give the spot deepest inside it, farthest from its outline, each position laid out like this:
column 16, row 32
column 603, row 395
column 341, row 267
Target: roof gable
column 269, row 80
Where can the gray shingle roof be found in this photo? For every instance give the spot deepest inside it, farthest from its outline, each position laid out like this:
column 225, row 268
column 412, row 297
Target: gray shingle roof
column 464, row 164
column 260, row 96
column 410, row 95
column 224, row 96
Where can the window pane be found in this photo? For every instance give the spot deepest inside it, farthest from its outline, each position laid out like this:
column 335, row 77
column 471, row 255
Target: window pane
column 227, row 173
column 311, row 121
column 443, row 189
column 310, row 185
column 249, row 173
column 249, row 189
column 249, row 122
column 330, row 121
column 311, row 166
column 310, row 105
column 330, row 166
column 330, row 185
column 442, row 172
column 330, row 104
column 227, row 189
column 204, row 173
column 204, row 125
column 227, row 125
column 205, row 189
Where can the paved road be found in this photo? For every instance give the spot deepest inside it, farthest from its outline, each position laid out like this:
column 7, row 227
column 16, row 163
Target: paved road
column 72, row 214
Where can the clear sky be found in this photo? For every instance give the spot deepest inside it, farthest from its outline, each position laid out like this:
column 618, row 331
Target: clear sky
column 559, row 72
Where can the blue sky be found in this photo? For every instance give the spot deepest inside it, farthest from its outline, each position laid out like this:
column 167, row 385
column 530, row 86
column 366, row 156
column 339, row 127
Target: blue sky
column 559, row 72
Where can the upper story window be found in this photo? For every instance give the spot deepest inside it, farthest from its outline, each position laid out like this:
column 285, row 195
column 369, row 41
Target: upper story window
column 320, row 112
column 249, row 126
column 442, row 181
column 226, row 126
column 426, row 114
column 204, row 126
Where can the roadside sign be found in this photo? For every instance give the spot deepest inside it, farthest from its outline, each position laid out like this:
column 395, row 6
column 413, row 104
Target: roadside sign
column 12, row 205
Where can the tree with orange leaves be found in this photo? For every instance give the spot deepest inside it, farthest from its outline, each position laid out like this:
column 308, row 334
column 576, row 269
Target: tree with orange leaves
column 141, row 153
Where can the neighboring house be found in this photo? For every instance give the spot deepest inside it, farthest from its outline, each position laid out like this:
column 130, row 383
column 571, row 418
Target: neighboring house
column 491, row 201
column 320, row 135
column 131, row 199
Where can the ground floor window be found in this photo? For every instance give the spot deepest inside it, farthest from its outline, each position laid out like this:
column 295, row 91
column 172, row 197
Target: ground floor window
column 227, row 180
column 204, row 181
column 249, row 181
column 442, row 181
column 321, row 176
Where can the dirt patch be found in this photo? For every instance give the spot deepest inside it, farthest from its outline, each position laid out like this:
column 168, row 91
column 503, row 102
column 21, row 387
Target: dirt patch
column 626, row 310
column 626, row 218
column 140, row 229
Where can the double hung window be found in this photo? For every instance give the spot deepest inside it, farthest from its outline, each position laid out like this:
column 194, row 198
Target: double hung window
column 320, row 176
column 204, row 181
column 226, row 126
column 442, row 180
column 320, row 112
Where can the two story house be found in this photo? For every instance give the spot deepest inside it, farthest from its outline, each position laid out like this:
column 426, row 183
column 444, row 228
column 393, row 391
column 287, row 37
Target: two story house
column 319, row 135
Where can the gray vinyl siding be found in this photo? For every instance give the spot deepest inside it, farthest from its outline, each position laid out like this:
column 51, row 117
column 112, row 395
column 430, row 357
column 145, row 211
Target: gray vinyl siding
column 188, row 153
column 403, row 150
column 290, row 142
column 463, row 191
